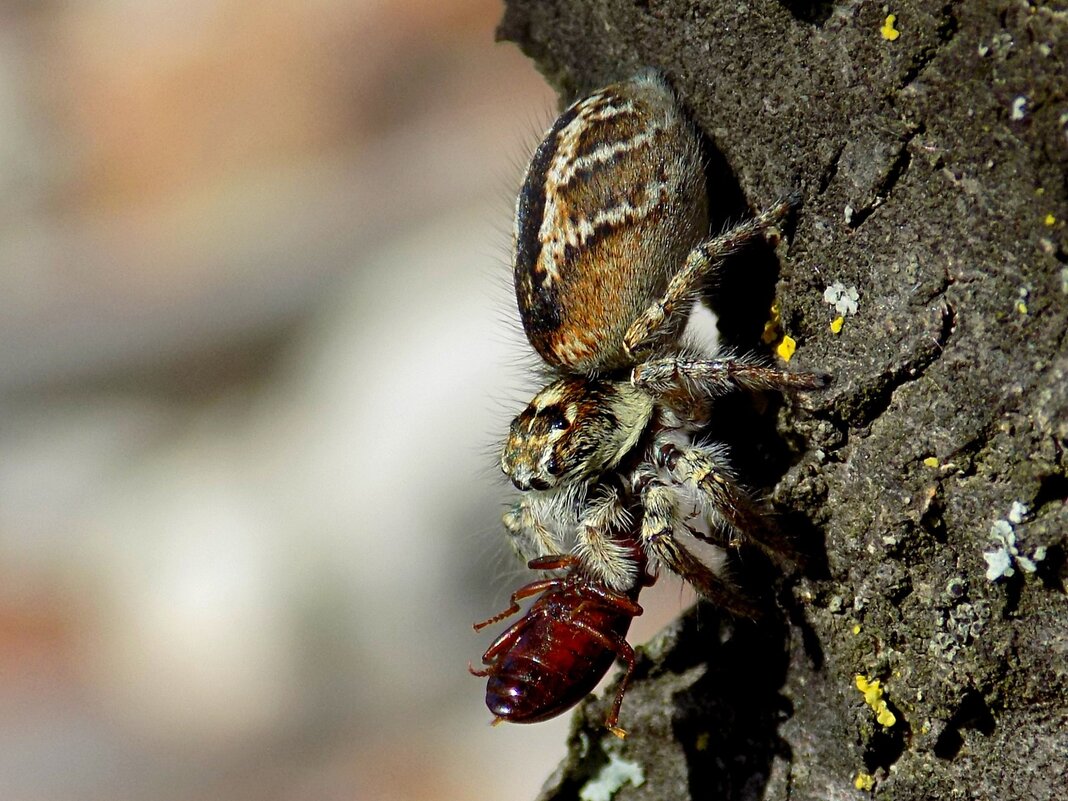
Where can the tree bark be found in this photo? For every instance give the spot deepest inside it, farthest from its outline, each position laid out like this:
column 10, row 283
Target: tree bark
column 933, row 170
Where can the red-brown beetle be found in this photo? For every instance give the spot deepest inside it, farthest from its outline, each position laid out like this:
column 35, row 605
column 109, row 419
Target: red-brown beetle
column 553, row 656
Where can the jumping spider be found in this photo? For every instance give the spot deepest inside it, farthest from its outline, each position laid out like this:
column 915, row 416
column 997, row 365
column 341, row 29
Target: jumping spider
column 611, row 253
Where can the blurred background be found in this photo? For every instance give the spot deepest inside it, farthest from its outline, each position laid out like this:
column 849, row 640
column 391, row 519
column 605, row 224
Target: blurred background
column 258, row 347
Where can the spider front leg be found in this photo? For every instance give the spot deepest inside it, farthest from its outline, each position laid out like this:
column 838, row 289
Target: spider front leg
column 700, row 263
column 662, row 518
column 711, row 377
column 527, row 529
column 705, row 469
column 606, row 558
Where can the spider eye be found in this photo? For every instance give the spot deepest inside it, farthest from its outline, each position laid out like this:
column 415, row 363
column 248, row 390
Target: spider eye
column 559, row 424
column 552, row 466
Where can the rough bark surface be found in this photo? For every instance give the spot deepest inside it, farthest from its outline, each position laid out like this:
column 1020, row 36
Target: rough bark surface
column 933, row 168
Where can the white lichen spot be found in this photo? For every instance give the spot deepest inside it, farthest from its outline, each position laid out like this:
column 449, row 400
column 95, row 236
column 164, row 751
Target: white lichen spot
column 1019, row 106
column 1064, row 280
column 1027, row 565
column 843, row 298
column 1008, row 557
column 1017, row 513
column 1002, row 43
column 611, row 778
column 848, row 212
column 998, row 564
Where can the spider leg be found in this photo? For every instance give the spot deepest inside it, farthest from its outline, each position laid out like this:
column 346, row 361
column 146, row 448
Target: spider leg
column 716, row 535
column 706, row 257
column 658, row 539
column 605, row 557
column 705, row 469
column 711, row 377
column 528, row 530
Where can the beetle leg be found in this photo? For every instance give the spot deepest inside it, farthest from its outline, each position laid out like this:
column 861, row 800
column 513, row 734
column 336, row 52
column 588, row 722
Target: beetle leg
column 534, row 588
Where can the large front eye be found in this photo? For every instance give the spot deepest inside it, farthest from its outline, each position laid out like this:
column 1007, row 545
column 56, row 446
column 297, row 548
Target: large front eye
column 552, row 466
column 554, row 418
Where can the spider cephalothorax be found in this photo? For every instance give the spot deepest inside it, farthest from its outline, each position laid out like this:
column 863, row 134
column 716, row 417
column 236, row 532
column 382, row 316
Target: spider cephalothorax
column 617, row 440
column 575, row 429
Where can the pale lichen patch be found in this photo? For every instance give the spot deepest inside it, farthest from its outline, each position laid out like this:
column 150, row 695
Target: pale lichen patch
column 608, row 781
column 1007, row 557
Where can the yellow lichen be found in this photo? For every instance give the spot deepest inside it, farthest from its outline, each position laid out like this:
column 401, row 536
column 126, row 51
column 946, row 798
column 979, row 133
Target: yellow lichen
column 1050, row 220
column 856, row 628
column 931, row 461
column 864, row 781
column 771, row 327
column 836, row 324
column 1021, row 307
column 871, row 689
column 786, row 348
column 889, row 32
column 873, row 697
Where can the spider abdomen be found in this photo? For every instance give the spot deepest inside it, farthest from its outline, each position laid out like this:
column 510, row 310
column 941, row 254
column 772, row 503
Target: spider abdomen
column 612, row 202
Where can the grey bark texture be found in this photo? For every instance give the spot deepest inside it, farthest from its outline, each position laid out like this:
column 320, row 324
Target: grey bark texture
column 933, row 168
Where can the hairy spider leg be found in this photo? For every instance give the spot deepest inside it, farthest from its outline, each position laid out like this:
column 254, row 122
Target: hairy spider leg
column 658, row 538
column 607, row 558
column 705, row 257
column 705, row 468
column 712, row 377
column 524, row 525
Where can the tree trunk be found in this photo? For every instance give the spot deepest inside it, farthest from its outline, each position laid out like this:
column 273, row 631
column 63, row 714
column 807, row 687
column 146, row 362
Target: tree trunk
column 929, row 482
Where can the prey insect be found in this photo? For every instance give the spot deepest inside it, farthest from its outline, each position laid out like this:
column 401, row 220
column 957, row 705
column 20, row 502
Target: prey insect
column 611, row 251
column 556, row 653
